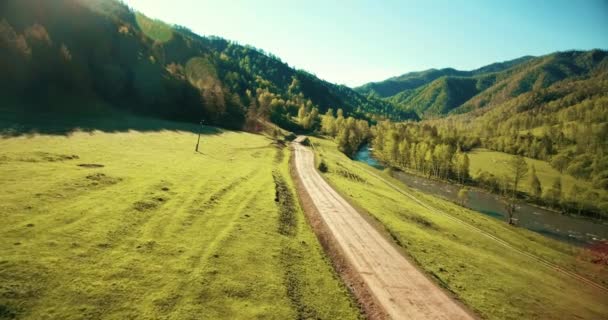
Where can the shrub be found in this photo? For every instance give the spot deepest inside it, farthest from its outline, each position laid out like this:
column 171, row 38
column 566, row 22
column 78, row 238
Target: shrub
column 290, row 136
column 323, row 166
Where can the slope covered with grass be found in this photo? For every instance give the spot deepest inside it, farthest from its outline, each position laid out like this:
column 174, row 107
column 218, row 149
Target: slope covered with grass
column 496, row 281
column 135, row 224
column 496, row 163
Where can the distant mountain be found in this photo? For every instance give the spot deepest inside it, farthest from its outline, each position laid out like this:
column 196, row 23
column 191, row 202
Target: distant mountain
column 413, row 80
column 435, row 93
column 91, row 50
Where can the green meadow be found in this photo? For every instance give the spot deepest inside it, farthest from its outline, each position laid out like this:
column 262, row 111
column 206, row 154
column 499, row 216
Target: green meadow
column 497, row 163
column 495, row 281
column 129, row 224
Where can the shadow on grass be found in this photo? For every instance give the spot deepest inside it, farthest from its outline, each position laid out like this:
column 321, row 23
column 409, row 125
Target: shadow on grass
column 14, row 123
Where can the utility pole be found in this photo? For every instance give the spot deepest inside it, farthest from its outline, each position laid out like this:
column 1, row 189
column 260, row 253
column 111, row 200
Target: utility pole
column 199, row 135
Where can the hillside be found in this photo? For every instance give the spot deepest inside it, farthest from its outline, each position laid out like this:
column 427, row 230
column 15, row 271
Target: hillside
column 100, row 50
column 565, row 125
column 439, row 92
column 132, row 225
column 413, row 80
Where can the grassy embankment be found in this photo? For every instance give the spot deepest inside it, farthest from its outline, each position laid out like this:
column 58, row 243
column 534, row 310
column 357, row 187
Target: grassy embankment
column 497, row 282
column 497, row 163
column 129, row 225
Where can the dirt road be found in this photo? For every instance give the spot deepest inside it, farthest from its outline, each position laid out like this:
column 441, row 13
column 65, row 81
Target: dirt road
column 402, row 290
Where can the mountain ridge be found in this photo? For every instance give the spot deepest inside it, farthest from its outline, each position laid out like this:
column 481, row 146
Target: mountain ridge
column 436, row 93
column 428, row 75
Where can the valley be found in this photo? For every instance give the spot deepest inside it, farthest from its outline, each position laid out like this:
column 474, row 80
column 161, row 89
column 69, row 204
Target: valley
column 481, row 265
column 150, row 169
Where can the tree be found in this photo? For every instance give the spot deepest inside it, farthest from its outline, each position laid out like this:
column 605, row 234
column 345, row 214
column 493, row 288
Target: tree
column 328, row 123
column 519, row 170
column 251, row 120
column 577, row 197
column 510, row 210
column 311, row 119
column 560, row 161
column 462, row 166
column 554, row 194
column 463, row 196
column 302, row 114
column 535, row 186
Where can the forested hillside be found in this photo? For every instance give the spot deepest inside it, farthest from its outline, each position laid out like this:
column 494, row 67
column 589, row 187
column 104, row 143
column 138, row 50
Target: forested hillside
column 60, row 55
column 564, row 124
column 414, row 80
column 435, row 93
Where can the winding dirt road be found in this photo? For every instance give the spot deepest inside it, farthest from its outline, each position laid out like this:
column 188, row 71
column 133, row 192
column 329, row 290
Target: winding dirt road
column 396, row 285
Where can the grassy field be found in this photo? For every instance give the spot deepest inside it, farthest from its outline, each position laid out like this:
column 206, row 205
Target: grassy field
column 496, row 282
column 497, row 164
column 136, row 225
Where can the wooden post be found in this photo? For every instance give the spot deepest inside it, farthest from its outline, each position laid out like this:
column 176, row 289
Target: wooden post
column 199, row 136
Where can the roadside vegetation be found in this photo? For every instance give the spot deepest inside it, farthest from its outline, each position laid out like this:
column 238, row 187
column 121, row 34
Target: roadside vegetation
column 494, row 280
column 135, row 224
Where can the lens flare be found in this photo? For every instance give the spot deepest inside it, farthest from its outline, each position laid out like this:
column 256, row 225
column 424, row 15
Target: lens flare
column 154, row 29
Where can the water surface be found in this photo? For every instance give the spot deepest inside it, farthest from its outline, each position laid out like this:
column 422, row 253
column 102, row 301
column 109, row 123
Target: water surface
column 574, row 230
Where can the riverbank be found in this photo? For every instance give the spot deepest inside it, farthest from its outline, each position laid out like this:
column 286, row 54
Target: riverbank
column 484, row 265
column 580, row 231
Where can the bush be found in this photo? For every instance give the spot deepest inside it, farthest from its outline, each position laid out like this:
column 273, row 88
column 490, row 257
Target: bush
column 389, row 171
column 290, row 136
column 323, row 166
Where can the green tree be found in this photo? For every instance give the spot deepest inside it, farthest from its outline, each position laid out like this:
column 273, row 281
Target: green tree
column 577, row 197
column 462, row 166
column 302, row 114
column 328, row 123
column 554, row 194
column 535, row 187
column 463, row 196
column 519, row 170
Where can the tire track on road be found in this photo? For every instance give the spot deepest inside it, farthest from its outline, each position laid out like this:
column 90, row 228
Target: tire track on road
column 397, row 285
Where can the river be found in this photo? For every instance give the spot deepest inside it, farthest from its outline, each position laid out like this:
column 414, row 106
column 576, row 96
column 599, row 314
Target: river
column 574, row 230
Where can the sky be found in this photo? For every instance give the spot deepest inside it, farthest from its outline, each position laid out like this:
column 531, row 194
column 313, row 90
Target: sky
column 358, row 41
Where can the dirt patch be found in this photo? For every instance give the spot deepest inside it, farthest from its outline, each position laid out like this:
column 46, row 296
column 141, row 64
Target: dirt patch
column 287, row 208
column 215, row 198
column 90, row 165
column 290, row 258
column 146, row 205
column 102, row 178
column 147, row 246
column 419, row 220
column 45, row 157
column 349, row 175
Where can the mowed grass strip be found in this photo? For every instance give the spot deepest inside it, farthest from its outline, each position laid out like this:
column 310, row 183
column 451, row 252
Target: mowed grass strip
column 136, row 225
column 496, row 282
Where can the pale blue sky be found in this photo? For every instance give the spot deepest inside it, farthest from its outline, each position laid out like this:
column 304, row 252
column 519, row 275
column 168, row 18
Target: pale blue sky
column 358, row 41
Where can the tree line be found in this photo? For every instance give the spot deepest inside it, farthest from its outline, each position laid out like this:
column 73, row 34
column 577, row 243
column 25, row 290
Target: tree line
column 412, row 146
column 424, row 148
column 349, row 133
